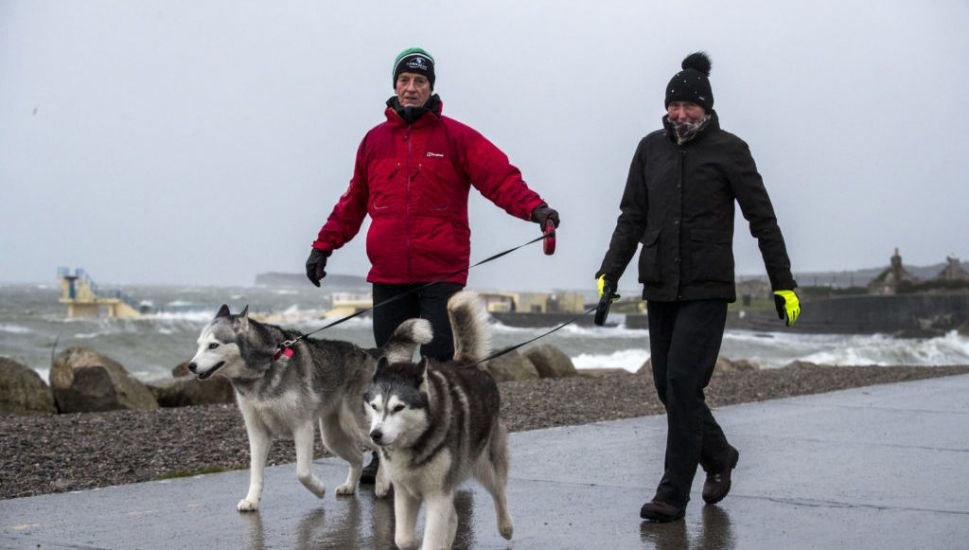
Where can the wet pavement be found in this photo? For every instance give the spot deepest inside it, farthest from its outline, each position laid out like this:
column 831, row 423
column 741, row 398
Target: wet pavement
column 878, row 467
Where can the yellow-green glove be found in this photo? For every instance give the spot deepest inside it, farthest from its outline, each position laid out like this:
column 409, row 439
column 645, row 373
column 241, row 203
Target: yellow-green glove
column 607, row 295
column 788, row 306
column 606, row 287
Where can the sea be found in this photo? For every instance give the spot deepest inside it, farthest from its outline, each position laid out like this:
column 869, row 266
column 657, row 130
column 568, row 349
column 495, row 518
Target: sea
column 34, row 326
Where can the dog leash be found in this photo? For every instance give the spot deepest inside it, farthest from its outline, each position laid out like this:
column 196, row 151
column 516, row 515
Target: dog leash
column 285, row 349
column 526, row 342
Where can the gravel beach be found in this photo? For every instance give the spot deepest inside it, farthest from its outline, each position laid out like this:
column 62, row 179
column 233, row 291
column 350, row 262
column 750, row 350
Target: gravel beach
column 40, row 455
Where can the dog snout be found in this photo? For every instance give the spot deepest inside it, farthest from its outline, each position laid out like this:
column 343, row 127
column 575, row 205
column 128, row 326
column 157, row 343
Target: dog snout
column 193, row 368
column 377, row 436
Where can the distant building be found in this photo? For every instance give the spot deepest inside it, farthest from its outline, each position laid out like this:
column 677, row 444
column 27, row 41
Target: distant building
column 953, row 271
column 889, row 280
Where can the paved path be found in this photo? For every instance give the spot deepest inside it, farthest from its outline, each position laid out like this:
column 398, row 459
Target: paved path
column 879, row 467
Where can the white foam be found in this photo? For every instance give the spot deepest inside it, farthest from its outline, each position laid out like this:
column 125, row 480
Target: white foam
column 951, row 349
column 777, row 349
column 573, row 330
column 628, row 359
column 15, row 329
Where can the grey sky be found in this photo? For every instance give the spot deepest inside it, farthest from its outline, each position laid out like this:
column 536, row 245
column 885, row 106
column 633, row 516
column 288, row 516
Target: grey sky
column 206, row 141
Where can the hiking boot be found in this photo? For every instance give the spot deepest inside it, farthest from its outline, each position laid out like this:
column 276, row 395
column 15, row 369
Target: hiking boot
column 660, row 511
column 717, row 484
column 368, row 476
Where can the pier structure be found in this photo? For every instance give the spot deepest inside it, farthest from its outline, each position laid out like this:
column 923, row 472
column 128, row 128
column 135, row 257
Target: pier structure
column 84, row 299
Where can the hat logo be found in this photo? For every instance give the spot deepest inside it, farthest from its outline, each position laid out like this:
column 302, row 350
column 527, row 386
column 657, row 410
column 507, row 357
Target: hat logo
column 417, row 63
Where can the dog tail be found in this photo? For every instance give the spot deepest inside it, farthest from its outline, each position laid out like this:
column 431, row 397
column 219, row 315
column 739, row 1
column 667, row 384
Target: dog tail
column 469, row 323
column 405, row 339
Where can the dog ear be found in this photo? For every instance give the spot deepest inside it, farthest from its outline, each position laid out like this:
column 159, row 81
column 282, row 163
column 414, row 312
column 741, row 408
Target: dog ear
column 244, row 318
column 382, row 365
column 422, row 381
column 223, row 311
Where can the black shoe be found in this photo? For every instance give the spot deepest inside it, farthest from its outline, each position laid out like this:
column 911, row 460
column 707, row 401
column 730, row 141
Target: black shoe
column 717, row 484
column 368, row 476
column 662, row 512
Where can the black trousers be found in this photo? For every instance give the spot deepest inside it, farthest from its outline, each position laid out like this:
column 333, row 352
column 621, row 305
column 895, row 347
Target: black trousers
column 684, row 341
column 429, row 303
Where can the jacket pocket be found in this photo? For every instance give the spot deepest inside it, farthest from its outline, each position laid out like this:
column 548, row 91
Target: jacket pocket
column 712, row 256
column 385, row 193
column 649, row 258
column 435, row 183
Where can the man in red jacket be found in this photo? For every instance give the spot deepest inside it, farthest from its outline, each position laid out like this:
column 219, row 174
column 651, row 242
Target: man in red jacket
column 412, row 176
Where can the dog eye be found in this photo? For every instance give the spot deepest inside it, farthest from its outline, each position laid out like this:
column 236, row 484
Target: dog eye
column 213, row 345
column 398, row 408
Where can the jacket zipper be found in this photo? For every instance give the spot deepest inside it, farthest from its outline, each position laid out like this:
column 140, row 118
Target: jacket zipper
column 677, row 262
column 407, row 220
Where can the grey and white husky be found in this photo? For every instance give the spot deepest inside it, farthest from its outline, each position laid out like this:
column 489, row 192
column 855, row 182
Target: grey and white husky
column 436, row 425
column 321, row 382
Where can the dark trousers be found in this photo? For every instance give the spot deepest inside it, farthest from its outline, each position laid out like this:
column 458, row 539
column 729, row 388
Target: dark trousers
column 429, row 303
column 684, row 341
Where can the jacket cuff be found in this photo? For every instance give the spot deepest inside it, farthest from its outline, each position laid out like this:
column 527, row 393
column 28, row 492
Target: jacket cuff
column 319, row 245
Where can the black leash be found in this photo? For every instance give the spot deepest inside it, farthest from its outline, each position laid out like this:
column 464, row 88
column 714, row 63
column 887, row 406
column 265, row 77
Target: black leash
column 526, row 342
column 285, row 348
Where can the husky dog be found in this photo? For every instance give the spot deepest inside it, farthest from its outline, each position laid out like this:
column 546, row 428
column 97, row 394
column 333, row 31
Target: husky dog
column 286, row 395
column 436, row 425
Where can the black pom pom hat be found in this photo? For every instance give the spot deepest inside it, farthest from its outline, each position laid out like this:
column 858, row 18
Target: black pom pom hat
column 692, row 83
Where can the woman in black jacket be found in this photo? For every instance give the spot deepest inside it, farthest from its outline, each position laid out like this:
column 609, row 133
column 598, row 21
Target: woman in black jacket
column 679, row 203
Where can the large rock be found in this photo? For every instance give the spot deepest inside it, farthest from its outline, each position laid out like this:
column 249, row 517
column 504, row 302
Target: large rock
column 551, row 362
column 185, row 390
column 85, row 381
column 511, row 366
column 22, row 391
column 740, row 365
column 646, row 368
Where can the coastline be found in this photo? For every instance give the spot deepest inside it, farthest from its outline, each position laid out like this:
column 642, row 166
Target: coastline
column 69, row 452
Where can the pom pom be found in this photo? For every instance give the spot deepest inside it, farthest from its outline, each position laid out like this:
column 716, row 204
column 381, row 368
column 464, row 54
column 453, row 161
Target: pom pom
column 697, row 61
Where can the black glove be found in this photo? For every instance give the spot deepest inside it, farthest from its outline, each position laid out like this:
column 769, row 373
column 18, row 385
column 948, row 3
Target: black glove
column 316, row 266
column 607, row 295
column 541, row 214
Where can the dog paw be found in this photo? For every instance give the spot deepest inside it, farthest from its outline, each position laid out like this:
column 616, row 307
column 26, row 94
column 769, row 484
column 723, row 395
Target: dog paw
column 505, row 528
column 381, row 490
column 346, row 489
column 313, row 485
column 246, row 505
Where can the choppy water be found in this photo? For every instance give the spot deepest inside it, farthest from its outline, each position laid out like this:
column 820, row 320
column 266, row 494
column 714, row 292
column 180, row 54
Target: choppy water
column 31, row 319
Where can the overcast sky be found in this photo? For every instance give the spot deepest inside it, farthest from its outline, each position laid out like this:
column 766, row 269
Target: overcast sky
column 207, row 141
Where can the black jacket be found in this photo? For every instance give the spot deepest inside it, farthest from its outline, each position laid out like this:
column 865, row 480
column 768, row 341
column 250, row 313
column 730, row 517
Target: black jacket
column 679, row 203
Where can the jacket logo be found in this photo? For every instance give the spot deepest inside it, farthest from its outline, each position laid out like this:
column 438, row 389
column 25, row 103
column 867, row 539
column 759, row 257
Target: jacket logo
column 436, row 155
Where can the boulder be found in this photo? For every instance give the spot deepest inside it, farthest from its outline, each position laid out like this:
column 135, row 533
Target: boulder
column 22, row 391
column 647, row 368
column 185, row 390
column 740, row 365
column 85, row 381
column 511, row 366
column 551, row 362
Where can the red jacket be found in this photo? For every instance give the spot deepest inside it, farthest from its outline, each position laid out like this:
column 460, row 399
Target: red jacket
column 414, row 180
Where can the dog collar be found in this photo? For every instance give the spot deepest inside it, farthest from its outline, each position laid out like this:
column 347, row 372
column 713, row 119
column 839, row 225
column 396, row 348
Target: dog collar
column 283, row 354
